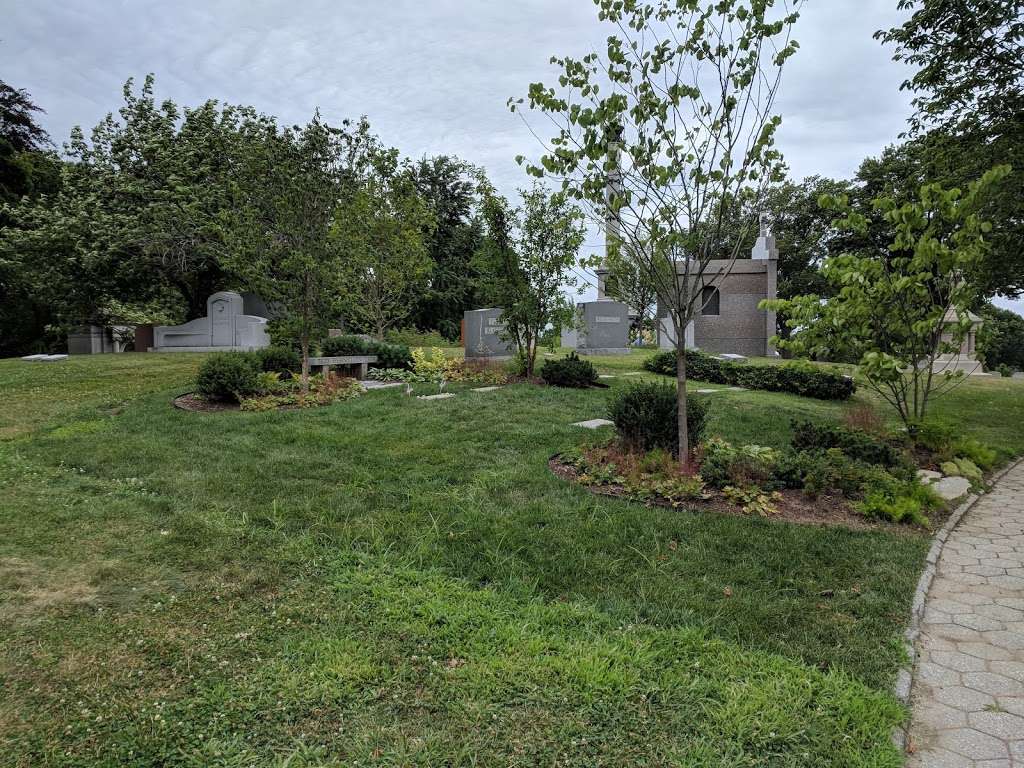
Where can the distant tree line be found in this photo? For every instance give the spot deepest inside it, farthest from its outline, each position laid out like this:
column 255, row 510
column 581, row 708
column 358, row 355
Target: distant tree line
column 162, row 205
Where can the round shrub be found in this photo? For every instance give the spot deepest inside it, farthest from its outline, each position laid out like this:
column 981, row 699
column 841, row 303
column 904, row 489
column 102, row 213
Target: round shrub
column 391, row 356
column 570, row 371
column 388, row 355
column 279, row 360
column 645, row 417
column 228, row 376
column 341, row 346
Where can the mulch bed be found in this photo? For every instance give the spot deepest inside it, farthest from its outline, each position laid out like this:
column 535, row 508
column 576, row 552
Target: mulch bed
column 190, row 401
column 795, row 506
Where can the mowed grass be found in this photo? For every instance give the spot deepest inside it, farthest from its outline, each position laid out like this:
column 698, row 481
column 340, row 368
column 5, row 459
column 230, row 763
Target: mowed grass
column 390, row 581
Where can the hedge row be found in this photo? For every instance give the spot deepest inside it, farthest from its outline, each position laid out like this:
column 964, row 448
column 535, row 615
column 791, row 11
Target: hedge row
column 786, row 377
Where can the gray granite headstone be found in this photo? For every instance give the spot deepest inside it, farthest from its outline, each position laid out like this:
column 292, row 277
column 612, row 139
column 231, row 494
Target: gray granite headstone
column 482, row 335
column 603, row 327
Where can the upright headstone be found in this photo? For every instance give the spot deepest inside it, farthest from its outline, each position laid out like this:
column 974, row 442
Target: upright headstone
column 90, row 340
column 602, row 328
column 226, row 326
column 482, row 335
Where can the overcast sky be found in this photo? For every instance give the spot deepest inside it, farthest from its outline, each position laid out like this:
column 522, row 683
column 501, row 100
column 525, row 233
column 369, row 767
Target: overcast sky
column 433, row 76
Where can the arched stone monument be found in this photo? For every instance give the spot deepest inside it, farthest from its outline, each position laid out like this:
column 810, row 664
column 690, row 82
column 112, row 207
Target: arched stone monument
column 225, row 327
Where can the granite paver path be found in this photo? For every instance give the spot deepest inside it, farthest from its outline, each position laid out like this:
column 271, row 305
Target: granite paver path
column 968, row 695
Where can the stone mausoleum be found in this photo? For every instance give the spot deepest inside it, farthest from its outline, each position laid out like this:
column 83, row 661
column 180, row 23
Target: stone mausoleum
column 225, row 327
column 729, row 320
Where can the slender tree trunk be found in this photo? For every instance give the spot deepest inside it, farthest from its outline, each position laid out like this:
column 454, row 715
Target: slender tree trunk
column 684, row 434
column 304, row 342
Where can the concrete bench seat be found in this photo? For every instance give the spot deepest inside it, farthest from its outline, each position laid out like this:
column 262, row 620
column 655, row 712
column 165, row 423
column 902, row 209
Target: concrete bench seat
column 325, row 363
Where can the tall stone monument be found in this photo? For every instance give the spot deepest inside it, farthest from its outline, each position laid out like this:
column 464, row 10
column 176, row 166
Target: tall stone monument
column 481, row 335
column 225, row 327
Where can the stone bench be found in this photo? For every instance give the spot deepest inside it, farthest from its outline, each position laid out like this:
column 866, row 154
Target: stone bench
column 325, row 363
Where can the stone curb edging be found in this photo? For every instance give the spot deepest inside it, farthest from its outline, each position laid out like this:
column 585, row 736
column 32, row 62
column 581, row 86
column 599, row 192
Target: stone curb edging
column 905, row 675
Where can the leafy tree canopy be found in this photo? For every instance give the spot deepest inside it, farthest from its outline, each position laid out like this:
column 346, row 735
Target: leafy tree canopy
column 970, row 56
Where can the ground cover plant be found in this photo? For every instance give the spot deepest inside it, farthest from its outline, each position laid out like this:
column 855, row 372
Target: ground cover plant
column 391, row 581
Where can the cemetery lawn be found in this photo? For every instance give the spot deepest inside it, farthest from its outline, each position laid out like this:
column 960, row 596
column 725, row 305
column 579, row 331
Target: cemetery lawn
column 389, row 581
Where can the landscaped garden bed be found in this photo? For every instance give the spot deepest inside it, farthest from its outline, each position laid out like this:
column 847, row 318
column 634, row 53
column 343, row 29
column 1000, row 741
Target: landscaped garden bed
column 607, row 471
column 851, row 474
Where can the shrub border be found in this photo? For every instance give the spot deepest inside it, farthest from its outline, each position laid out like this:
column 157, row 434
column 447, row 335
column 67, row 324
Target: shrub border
column 904, row 684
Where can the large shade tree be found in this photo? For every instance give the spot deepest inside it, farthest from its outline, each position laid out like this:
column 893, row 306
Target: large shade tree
column 968, row 86
column 448, row 187
column 668, row 132
column 134, row 219
column 29, row 169
column 284, row 199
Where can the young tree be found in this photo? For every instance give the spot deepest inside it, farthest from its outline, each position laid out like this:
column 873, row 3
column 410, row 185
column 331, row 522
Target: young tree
column 893, row 312
column 669, row 133
column 526, row 262
column 278, row 227
column 379, row 228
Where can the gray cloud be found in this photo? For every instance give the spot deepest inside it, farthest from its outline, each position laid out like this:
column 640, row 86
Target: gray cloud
column 433, row 76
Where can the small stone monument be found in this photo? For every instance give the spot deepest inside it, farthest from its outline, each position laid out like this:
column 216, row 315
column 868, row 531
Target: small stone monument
column 964, row 359
column 602, row 328
column 225, row 327
column 482, row 335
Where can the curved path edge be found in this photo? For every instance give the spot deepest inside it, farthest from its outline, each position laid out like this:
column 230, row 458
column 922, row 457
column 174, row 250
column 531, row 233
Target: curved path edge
column 905, row 677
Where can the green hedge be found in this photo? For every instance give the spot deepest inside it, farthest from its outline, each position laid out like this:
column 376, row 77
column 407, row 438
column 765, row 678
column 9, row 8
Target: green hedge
column 794, row 378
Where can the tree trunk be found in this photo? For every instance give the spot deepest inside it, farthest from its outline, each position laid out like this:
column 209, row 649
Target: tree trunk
column 305, row 364
column 684, row 436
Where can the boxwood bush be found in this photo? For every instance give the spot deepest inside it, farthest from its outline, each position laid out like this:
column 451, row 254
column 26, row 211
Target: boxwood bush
column 570, row 371
column 794, row 378
column 855, row 443
column 341, row 346
column 279, row 360
column 645, row 417
column 228, row 376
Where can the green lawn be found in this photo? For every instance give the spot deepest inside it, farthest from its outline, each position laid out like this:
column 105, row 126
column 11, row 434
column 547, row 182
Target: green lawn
column 388, row 581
